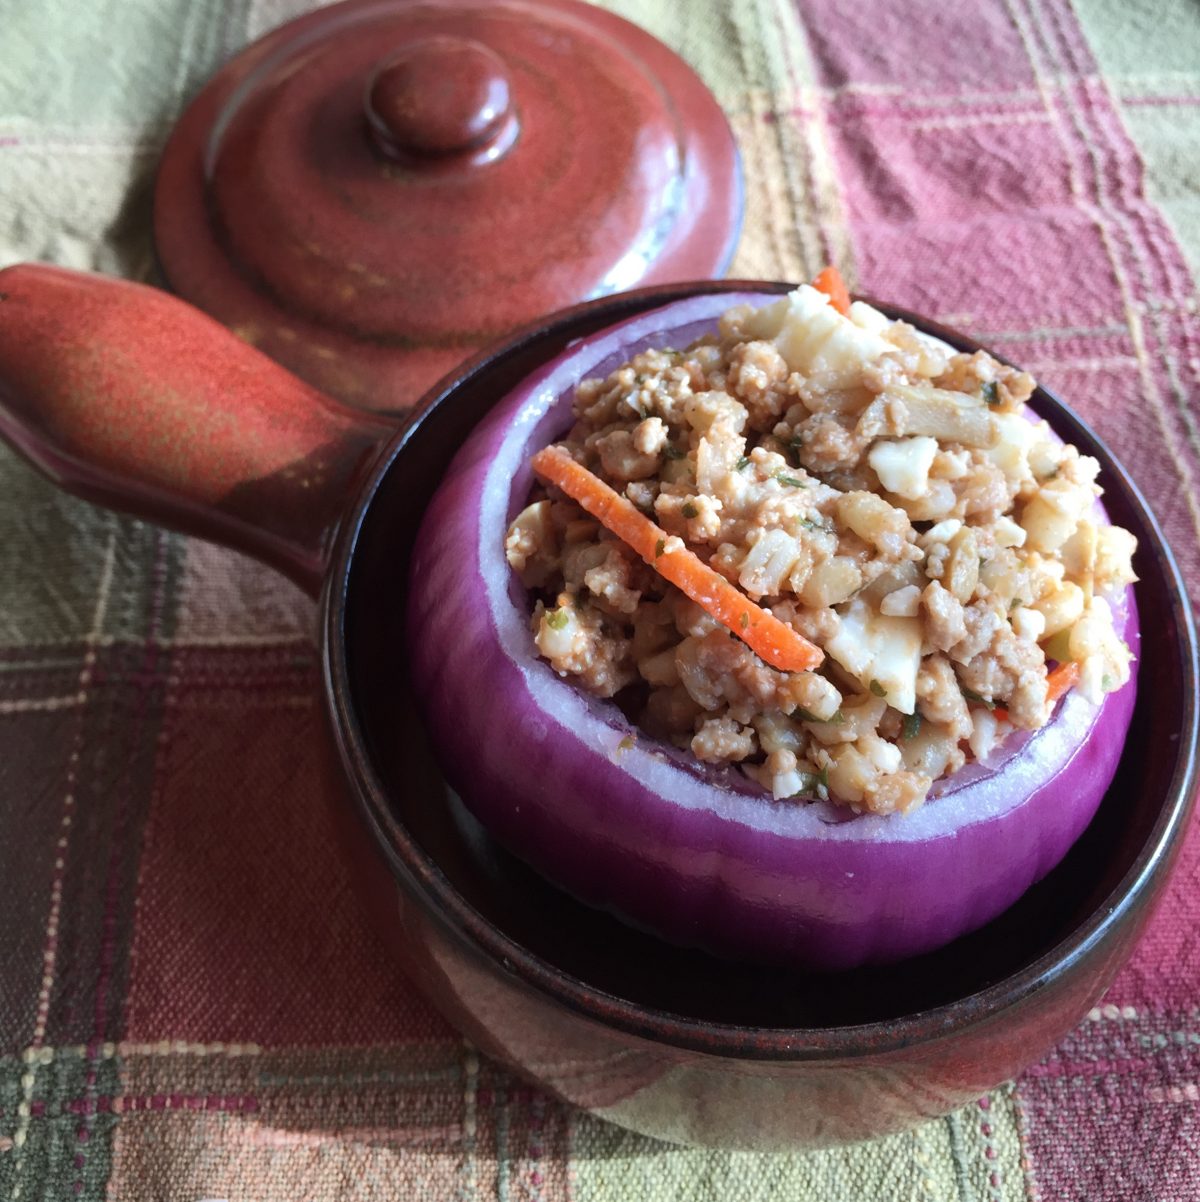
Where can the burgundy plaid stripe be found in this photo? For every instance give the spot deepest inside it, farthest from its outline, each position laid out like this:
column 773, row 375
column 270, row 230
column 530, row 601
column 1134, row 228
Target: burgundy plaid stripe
column 193, row 1000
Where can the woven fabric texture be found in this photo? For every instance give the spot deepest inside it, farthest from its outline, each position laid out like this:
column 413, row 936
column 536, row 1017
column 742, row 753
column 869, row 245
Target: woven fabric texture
column 193, row 1002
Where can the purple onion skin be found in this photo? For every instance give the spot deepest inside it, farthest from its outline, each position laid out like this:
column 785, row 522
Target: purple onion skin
column 700, row 856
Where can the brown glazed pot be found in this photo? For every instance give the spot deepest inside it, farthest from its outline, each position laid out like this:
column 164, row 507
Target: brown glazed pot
column 128, row 397
column 377, row 189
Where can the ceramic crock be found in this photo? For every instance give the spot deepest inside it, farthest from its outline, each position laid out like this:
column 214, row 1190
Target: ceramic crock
column 130, row 398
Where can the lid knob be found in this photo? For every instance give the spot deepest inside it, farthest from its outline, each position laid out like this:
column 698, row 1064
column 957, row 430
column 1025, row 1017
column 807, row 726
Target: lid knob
column 439, row 97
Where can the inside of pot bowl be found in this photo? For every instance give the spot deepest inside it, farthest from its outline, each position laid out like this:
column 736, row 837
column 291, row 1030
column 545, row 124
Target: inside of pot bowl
column 471, row 874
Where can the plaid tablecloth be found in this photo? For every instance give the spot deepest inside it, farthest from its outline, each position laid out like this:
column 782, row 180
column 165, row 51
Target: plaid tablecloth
column 192, row 1001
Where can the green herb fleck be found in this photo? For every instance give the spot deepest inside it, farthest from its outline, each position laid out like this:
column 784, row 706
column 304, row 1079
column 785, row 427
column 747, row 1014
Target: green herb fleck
column 689, row 510
column 1058, row 646
column 991, row 392
column 971, row 695
column 1107, row 682
column 912, row 725
column 743, row 462
column 744, row 620
column 626, row 744
column 877, row 689
column 556, row 619
column 811, row 524
column 675, row 453
column 794, row 481
column 810, row 782
column 660, row 547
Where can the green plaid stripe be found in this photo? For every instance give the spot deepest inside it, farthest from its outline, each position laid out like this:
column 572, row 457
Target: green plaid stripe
column 120, row 646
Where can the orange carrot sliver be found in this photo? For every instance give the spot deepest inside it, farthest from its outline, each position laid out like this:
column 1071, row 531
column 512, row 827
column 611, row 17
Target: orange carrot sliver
column 768, row 637
column 1061, row 680
column 830, row 281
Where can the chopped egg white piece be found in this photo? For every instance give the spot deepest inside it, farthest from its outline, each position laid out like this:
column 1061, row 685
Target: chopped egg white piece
column 868, row 318
column 530, row 530
column 1011, row 450
column 884, row 755
column 814, row 338
column 903, row 464
column 1103, row 659
column 987, row 733
column 559, row 633
column 1007, row 532
column 879, row 648
column 902, row 602
column 943, row 532
column 1028, row 623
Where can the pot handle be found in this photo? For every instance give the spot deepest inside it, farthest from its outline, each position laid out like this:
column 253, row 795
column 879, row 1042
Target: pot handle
column 131, row 398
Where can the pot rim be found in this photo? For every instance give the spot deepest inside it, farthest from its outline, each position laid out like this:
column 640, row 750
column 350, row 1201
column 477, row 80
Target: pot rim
column 417, row 871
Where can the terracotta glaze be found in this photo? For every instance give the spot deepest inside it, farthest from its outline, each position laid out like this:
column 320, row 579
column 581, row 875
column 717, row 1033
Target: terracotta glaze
column 442, row 98
column 378, row 189
column 128, row 397
column 134, row 400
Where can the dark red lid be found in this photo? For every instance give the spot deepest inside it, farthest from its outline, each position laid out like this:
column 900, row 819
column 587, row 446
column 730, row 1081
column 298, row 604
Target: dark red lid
column 374, row 191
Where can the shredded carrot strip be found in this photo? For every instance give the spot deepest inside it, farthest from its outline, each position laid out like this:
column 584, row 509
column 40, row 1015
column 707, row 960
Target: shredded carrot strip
column 830, row 281
column 768, row 637
column 1061, row 680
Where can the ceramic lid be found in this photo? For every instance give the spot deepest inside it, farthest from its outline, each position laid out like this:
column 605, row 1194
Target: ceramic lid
column 376, row 190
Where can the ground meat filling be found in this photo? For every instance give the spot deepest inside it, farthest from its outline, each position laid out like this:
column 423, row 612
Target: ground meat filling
column 888, row 498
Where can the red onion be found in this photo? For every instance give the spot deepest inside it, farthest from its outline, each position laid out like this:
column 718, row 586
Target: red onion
column 702, row 856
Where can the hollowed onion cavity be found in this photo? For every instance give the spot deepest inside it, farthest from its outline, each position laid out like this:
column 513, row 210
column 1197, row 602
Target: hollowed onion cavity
column 701, row 856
